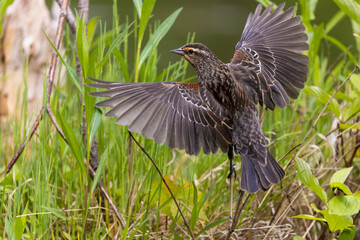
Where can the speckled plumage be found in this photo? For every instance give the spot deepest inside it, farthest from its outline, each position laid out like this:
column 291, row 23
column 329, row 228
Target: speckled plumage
column 220, row 111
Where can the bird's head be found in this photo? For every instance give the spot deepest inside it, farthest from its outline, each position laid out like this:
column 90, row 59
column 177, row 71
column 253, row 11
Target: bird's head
column 197, row 54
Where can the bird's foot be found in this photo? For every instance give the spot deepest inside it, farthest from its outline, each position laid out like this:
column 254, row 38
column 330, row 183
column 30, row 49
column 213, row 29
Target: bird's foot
column 232, row 171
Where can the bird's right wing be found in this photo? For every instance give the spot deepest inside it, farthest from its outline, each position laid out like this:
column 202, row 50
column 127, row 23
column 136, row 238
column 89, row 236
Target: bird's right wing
column 177, row 114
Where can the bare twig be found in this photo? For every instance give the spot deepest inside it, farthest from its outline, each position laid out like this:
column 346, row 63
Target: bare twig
column 167, row 186
column 70, row 17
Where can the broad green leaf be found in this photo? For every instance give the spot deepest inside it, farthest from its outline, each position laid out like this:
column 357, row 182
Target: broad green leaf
column 343, row 205
column 158, row 34
column 73, row 76
column 345, row 189
column 355, row 80
column 350, row 8
column 212, row 225
column 341, row 175
column 347, row 233
column 323, row 97
column 306, row 177
column 72, row 141
column 114, row 44
column 310, row 217
column 56, row 212
column 337, row 222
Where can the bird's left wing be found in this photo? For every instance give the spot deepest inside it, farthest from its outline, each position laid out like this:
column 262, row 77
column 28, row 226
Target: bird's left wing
column 174, row 113
column 271, row 46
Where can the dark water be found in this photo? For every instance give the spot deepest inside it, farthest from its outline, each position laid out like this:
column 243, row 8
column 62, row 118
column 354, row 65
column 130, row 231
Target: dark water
column 217, row 24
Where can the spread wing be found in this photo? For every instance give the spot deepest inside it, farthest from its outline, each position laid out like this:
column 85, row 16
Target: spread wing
column 271, row 44
column 177, row 114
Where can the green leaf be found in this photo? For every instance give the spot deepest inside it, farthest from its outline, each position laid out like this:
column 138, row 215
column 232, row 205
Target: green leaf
column 352, row 110
column 347, row 233
column 357, row 196
column 345, row 189
column 73, row 76
column 344, row 205
column 310, row 217
column 146, row 10
column 114, row 44
column 350, row 8
column 323, row 97
column 298, row 238
column 82, row 44
column 195, row 211
column 341, row 175
column 20, row 224
column 344, row 126
column 212, row 225
column 306, row 177
column 337, row 222
column 315, row 208
column 92, row 27
column 95, row 123
column 73, row 142
column 158, row 34
column 56, row 212
column 355, row 80
column 138, row 6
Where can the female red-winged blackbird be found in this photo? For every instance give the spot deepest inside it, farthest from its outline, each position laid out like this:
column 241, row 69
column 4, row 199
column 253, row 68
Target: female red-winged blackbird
column 220, row 110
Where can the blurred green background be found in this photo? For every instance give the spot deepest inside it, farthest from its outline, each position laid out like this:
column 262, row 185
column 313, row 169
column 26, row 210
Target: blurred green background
column 217, row 24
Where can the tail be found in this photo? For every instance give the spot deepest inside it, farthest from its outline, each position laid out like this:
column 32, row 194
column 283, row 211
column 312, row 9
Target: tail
column 255, row 176
column 259, row 168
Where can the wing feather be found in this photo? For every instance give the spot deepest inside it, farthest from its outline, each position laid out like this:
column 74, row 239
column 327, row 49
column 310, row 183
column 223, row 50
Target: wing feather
column 271, row 44
column 177, row 114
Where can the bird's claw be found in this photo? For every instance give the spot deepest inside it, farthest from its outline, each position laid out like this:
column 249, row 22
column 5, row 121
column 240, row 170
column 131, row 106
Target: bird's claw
column 232, row 171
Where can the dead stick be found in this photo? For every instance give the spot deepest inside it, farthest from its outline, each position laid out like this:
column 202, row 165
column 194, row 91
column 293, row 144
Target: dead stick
column 167, row 186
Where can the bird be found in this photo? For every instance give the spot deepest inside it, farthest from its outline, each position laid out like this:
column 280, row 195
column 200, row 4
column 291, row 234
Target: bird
column 220, row 110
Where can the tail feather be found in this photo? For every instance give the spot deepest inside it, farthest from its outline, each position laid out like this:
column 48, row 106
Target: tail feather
column 257, row 176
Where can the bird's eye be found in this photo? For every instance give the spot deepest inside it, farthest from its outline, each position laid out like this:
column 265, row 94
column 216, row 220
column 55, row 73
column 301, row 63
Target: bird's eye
column 191, row 51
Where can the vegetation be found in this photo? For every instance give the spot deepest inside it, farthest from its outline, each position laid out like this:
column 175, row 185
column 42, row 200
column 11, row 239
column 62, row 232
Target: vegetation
column 49, row 194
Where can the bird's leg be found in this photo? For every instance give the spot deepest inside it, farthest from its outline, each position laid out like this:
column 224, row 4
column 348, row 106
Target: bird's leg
column 230, row 176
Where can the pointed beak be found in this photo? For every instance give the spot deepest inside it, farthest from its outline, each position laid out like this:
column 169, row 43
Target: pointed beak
column 178, row 51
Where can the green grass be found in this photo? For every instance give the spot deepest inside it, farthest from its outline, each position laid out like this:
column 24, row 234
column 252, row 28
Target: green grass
column 45, row 194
